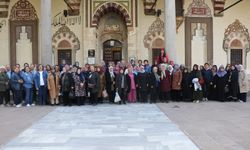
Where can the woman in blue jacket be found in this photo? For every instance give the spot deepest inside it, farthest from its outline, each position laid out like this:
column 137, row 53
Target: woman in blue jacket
column 41, row 84
column 28, row 84
column 16, row 82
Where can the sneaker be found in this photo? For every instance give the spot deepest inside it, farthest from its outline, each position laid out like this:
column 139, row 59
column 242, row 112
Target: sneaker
column 206, row 99
column 19, row 105
column 33, row 104
column 197, row 101
column 28, row 105
column 241, row 101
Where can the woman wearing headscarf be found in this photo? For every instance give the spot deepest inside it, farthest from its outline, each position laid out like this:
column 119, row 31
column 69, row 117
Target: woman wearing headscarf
column 212, row 93
column 220, row 83
column 195, row 77
column 154, row 84
column 176, row 83
column 80, row 92
column 131, row 79
column 110, row 77
column 233, row 84
column 165, row 84
column 186, row 91
column 143, row 82
column 243, row 84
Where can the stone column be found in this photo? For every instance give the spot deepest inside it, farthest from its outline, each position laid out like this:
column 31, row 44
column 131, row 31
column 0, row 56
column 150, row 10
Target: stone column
column 170, row 29
column 45, row 30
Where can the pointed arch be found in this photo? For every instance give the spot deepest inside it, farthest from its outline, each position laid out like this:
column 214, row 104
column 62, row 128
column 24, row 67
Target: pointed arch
column 23, row 10
column 111, row 7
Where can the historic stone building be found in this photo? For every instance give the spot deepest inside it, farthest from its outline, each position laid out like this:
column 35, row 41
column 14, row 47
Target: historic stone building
column 196, row 31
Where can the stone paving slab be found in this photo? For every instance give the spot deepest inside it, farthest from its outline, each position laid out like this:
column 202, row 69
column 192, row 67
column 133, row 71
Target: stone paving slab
column 103, row 127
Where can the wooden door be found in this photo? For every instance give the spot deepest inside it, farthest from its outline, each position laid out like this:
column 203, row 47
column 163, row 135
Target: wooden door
column 65, row 55
column 236, row 56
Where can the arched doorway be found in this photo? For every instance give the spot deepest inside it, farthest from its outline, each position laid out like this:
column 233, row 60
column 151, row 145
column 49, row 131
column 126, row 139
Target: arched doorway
column 111, row 22
column 157, row 46
column 23, row 33
column 236, row 43
column 154, row 39
column 65, row 44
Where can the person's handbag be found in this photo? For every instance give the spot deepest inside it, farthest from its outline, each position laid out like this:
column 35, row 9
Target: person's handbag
column 117, row 97
column 71, row 94
column 104, row 94
column 201, row 81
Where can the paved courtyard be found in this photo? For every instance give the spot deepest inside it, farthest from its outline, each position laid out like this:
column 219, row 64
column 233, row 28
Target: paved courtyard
column 104, row 127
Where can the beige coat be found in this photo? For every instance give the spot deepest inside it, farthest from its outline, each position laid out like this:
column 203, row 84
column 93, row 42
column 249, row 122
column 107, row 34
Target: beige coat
column 53, row 85
column 102, row 84
column 177, row 79
column 243, row 82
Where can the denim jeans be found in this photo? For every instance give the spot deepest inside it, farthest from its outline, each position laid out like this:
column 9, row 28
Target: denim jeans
column 28, row 96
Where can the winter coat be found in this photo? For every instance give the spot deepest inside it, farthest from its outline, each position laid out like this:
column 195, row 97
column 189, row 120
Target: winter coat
column 4, row 82
column 94, row 81
column 165, row 82
column 53, row 85
column 79, row 86
column 177, row 79
column 243, row 82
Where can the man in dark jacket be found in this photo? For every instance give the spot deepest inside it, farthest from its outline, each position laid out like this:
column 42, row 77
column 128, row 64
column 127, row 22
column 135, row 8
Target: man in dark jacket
column 110, row 77
column 121, row 85
column 208, row 78
column 93, row 85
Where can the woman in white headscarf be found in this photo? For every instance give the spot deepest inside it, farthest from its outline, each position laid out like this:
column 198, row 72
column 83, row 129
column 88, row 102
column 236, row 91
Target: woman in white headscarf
column 243, row 84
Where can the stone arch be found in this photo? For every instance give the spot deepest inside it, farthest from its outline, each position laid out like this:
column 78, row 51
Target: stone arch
column 64, row 38
column 23, row 14
column 237, row 35
column 20, row 6
column 155, row 32
column 111, row 7
column 65, row 34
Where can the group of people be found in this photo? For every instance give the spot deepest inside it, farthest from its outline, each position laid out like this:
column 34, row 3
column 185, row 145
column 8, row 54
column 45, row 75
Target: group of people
column 132, row 82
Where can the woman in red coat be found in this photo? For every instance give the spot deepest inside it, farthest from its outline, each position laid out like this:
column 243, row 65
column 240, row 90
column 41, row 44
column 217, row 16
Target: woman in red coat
column 165, row 84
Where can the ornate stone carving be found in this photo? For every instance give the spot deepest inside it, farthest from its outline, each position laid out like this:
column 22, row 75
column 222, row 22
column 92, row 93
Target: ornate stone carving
column 100, row 8
column 155, row 30
column 23, row 10
column 236, row 31
column 62, row 34
column 112, row 28
column 198, row 8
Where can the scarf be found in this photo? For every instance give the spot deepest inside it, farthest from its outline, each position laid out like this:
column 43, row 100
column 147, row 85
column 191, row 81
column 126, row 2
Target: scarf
column 221, row 73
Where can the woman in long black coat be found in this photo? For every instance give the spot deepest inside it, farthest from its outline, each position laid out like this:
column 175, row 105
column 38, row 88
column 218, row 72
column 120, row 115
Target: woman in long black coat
column 233, row 83
column 220, row 83
column 154, row 85
column 186, row 90
column 143, row 82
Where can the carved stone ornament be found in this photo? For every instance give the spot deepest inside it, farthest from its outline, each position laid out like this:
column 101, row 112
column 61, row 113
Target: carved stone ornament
column 23, row 10
column 198, row 8
column 115, row 7
column 62, row 34
column 236, row 31
column 155, row 30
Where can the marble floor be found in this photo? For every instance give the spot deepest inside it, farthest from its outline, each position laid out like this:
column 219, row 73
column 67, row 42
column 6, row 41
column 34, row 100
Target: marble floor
column 103, row 127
